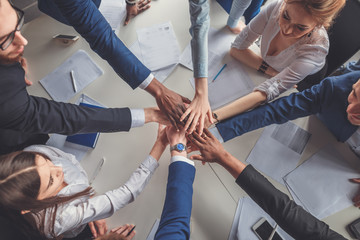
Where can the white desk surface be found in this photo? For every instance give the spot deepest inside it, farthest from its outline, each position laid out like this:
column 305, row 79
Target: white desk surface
column 215, row 191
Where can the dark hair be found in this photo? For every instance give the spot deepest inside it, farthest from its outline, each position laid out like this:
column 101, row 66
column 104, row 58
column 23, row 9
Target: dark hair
column 20, row 185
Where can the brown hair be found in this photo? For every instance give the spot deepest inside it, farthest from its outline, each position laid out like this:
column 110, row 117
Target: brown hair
column 20, row 185
column 323, row 11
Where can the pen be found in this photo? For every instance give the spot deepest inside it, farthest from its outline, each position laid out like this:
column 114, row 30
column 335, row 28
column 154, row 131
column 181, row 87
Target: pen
column 73, row 80
column 219, row 72
column 131, row 231
column 97, row 169
column 273, row 232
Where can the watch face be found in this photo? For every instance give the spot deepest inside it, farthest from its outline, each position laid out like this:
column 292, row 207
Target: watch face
column 180, row 147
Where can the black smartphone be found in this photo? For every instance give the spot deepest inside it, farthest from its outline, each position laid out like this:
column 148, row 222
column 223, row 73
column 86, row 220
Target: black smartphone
column 66, row 38
column 263, row 230
column 354, row 228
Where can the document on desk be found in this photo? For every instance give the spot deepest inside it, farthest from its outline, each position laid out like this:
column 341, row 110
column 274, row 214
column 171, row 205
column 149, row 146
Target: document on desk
column 59, row 141
column 160, row 74
column 114, row 12
column 246, row 215
column 159, row 46
column 232, row 83
column 59, row 83
column 321, row 184
column 278, row 150
column 219, row 42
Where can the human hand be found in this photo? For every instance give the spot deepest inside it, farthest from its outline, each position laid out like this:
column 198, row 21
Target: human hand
column 172, row 104
column 210, row 148
column 175, row 136
column 356, row 199
column 160, row 143
column 24, row 65
column 198, row 111
column 98, row 228
column 199, row 108
column 120, row 233
column 155, row 115
column 133, row 10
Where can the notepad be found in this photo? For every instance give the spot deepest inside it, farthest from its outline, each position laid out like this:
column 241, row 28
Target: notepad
column 85, row 139
column 58, row 83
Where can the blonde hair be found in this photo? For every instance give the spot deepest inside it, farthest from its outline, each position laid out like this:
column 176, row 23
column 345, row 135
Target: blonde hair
column 323, row 11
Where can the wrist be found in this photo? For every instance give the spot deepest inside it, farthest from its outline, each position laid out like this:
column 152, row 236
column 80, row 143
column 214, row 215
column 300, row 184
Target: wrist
column 149, row 115
column 155, row 88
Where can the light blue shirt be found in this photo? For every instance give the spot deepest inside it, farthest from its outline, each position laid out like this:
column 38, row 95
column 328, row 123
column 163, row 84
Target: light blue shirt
column 200, row 23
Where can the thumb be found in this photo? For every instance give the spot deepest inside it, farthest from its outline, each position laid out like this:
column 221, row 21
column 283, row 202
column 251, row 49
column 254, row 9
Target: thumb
column 127, row 19
column 185, row 100
column 355, row 180
column 197, row 157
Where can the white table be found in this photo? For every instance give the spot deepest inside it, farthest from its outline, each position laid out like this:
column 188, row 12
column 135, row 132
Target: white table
column 215, row 192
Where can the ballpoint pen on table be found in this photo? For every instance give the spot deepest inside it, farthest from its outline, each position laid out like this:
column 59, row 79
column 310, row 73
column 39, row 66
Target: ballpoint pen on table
column 219, row 72
column 97, row 170
column 273, row 232
column 73, row 80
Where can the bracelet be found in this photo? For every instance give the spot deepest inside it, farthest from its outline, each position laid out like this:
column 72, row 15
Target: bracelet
column 131, row 2
column 263, row 67
column 216, row 117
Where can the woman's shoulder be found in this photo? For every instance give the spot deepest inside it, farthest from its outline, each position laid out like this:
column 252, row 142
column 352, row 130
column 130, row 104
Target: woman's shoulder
column 317, row 38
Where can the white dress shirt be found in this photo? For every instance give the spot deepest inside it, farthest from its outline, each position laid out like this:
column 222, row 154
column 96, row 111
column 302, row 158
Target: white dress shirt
column 305, row 57
column 72, row 217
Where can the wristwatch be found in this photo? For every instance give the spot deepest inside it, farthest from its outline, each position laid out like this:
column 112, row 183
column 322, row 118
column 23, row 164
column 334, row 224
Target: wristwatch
column 178, row 147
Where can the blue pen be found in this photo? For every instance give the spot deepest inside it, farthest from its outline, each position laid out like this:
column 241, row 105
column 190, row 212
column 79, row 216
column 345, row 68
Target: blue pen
column 219, row 72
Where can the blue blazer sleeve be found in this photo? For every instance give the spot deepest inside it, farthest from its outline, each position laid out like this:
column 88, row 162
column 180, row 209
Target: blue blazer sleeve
column 292, row 218
column 87, row 20
column 279, row 111
column 175, row 218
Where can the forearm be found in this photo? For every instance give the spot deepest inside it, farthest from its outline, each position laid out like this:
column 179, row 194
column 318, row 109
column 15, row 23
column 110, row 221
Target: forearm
column 155, row 88
column 200, row 22
column 231, row 164
column 241, row 105
column 290, row 217
column 41, row 115
column 249, row 58
column 87, row 20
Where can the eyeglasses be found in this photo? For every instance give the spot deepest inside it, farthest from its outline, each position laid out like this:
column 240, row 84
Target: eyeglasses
column 10, row 38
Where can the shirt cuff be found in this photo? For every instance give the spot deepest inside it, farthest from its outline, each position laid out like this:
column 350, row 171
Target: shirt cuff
column 137, row 117
column 147, row 81
column 150, row 163
column 214, row 131
column 232, row 22
column 181, row 159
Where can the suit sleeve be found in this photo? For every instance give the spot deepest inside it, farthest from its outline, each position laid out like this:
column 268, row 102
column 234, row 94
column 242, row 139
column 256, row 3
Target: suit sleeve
column 87, row 20
column 279, row 111
column 42, row 116
column 175, row 218
column 292, row 218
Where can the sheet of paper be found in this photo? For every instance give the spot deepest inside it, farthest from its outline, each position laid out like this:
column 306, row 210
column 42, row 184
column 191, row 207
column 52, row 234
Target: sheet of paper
column 59, row 141
column 114, row 12
column 58, row 83
column 321, row 183
column 186, row 58
column 159, row 46
column 160, row 74
column 155, row 227
column 232, row 83
column 278, row 150
column 246, row 215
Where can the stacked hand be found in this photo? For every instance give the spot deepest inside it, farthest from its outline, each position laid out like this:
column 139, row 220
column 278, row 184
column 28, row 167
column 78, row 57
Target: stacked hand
column 133, row 10
column 98, row 228
column 120, row 233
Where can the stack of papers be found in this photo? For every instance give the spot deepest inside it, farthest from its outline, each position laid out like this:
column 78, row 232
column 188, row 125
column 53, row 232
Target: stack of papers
column 278, row 150
column 247, row 214
column 59, row 83
column 158, row 48
column 321, row 184
column 114, row 12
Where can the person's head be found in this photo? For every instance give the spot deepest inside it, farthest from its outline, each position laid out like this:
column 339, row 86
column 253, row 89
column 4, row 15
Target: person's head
column 12, row 43
column 299, row 17
column 353, row 109
column 29, row 182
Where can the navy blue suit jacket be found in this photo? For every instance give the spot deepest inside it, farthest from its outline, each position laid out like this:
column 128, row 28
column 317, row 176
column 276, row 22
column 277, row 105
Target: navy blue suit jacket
column 87, row 20
column 328, row 100
column 175, row 218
